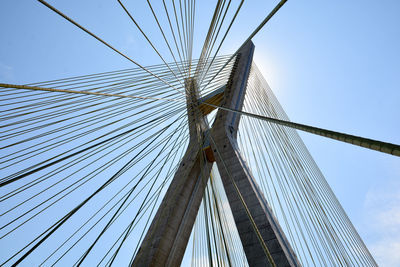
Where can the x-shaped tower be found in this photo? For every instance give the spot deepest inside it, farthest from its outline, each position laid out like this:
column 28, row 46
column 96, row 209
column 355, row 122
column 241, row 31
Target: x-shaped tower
column 262, row 238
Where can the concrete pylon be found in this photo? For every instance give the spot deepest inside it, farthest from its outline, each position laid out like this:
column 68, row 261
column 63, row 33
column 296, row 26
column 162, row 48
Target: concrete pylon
column 168, row 235
column 248, row 204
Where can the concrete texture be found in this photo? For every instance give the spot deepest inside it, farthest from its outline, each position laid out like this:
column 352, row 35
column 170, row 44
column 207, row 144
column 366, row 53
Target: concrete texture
column 167, row 237
column 234, row 171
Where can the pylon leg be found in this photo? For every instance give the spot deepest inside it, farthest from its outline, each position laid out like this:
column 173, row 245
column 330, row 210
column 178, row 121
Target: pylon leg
column 166, row 240
column 167, row 237
column 239, row 183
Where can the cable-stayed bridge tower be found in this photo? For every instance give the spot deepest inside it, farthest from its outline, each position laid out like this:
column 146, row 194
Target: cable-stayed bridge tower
column 142, row 166
column 261, row 236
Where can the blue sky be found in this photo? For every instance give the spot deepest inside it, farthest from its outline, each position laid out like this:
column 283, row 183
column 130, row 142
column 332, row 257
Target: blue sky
column 333, row 65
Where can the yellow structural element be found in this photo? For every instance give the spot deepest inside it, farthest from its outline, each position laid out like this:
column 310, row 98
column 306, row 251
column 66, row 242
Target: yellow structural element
column 213, row 98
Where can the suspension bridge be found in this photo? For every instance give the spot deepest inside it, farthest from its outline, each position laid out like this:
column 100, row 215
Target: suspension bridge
column 142, row 165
